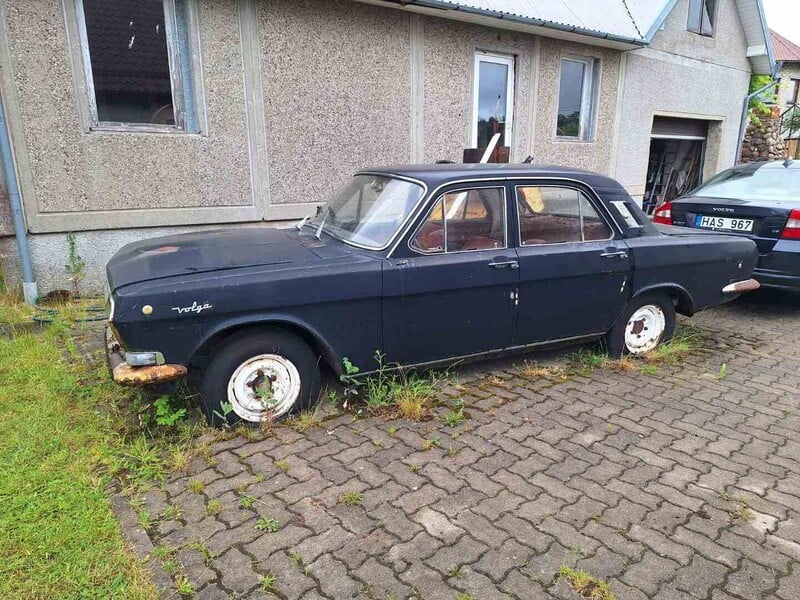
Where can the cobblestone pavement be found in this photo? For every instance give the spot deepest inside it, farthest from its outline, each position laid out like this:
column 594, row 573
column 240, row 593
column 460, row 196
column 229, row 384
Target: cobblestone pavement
column 680, row 485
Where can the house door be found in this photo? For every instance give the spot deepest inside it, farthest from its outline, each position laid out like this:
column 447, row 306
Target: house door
column 493, row 99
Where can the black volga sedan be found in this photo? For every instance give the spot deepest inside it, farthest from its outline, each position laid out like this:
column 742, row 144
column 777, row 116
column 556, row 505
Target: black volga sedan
column 427, row 264
column 758, row 200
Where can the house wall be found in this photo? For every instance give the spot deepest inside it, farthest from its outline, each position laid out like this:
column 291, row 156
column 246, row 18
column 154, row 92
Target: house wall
column 789, row 72
column 294, row 96
column 686, row 75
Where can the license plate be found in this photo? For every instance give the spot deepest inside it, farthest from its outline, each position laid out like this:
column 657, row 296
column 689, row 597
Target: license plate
column 724, row 223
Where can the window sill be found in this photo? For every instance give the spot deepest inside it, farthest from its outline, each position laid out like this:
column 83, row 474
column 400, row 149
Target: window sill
column 709, row 36
column 575, row 140
column 110, row 127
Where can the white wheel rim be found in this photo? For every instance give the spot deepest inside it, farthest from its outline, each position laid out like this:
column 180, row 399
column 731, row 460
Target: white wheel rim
column 264, row 388
column 644, row 329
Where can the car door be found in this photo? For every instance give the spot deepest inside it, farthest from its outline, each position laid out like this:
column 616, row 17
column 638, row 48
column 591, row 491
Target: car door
column 452, row 294
column 574, row 268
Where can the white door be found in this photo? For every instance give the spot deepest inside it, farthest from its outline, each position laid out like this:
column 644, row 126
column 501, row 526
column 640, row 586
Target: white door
column 493, row 99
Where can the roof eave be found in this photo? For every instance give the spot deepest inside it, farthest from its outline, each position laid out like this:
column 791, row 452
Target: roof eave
column 513, row 22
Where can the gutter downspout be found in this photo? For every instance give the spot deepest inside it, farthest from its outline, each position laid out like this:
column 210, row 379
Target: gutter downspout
column 29, row 288
column 743, row 121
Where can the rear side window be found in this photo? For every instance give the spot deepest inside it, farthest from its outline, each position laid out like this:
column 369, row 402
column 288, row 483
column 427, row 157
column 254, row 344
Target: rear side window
column 464, row 220
column 557, row 215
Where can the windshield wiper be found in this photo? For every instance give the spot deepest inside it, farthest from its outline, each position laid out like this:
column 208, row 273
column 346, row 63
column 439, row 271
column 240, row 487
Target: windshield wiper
column 301, row 222
column 331, row 214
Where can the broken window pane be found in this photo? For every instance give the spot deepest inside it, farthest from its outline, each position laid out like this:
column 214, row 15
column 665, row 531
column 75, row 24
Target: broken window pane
column 129, row 61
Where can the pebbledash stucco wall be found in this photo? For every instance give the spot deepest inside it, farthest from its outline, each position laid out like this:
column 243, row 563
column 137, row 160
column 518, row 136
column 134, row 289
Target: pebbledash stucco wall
column 683, row 74
column 295, row 96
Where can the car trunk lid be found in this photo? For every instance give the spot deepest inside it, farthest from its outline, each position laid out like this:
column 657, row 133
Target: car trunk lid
column 768, row 217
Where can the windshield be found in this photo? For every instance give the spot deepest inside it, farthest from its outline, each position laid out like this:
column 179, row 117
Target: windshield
column 760, row 182
column 369, row 210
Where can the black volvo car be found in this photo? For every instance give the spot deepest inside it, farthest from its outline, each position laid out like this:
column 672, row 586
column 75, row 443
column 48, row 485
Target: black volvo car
column 426, row 264
column 758, row 200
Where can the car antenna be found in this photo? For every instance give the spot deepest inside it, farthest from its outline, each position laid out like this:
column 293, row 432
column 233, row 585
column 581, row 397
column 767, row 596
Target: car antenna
column 528, row 160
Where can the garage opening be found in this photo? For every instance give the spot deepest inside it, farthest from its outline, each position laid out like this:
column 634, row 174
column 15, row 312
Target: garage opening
column 677, row 154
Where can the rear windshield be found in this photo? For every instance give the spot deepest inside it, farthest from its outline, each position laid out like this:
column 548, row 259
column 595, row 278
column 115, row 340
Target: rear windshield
column 761, row 182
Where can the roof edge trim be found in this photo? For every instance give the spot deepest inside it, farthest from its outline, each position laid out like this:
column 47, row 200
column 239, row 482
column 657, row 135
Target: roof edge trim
column 501, row 16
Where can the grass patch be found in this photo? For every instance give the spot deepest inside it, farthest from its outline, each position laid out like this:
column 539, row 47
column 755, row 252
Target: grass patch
column 59, row 448
column 391, row 392
column 305, row 421
column 586, row 585
column 350, row 498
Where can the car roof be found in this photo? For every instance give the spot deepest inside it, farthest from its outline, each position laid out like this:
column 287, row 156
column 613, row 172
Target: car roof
column 767, row 165
column 438, row 174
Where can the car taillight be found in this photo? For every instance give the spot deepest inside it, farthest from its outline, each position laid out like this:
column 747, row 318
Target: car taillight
column 663, row 214
column 791, row 231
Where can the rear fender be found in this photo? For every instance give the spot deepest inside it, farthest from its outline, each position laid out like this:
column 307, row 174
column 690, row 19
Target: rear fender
column 684, row 302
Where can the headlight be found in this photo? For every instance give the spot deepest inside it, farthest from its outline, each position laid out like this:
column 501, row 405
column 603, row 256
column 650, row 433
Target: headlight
column 110, row 309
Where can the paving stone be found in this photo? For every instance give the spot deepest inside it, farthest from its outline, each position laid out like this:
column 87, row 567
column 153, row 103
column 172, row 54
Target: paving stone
column 333, row 578
column 648, row 574
column 615, row 473
column 236, row 570
column 383, row 582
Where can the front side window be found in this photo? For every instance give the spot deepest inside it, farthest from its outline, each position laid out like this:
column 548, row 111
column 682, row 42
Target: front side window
column 557, row 215
column 576, row 98
column 464, row 220
column 702, row 16
column 493, row 99
column 132, row 61
column 369, row 210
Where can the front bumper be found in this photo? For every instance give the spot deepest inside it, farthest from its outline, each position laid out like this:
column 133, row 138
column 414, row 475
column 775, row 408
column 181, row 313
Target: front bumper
column 124, row 374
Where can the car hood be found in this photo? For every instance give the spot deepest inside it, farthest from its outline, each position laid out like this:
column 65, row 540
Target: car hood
column 214, row 250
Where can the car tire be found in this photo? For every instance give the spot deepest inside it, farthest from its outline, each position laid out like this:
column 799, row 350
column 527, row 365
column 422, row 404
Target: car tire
column 259, row 375
column 649, row 320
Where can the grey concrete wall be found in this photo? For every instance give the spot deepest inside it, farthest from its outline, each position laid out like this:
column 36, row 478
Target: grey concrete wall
column 726, row 48
column 686, row 75
column 337, row 92
column 75, row 179
column 50, row 253
column 449, row 61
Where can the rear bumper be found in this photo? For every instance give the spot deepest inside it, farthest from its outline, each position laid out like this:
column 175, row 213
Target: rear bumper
column 739, row 287
column 777, row 280
column 124, row 374
column 780, row 267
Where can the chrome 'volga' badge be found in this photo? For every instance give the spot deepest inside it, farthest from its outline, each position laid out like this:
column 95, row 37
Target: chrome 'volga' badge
column 195, row 308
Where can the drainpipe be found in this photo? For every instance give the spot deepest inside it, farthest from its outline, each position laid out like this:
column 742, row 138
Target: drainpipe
column 743, row 121
column 29, row 289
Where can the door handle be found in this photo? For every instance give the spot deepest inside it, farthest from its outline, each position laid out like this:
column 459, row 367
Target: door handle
column 615, row 254
column 508, row 264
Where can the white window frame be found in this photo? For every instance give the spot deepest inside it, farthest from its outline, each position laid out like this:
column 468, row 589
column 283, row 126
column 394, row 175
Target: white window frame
column 176, row 79
column 588, row 97
column 499, row 59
